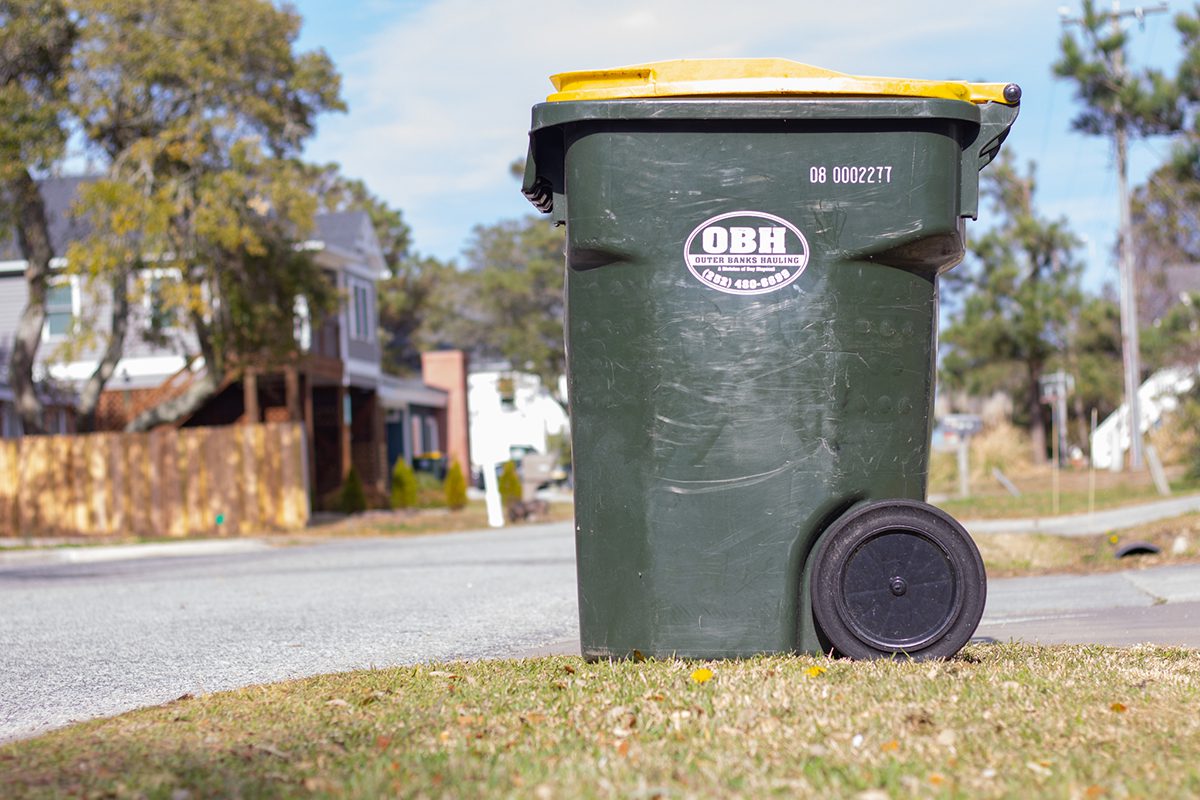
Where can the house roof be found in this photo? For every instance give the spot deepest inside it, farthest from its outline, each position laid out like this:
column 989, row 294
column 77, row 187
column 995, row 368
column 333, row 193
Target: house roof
column 58, row 194
column 340, row 229
column 396, row 392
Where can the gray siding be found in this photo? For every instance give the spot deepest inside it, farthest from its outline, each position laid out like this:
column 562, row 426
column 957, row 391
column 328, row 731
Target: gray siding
column 12, row 302
column 96, row 307
column 363, row 351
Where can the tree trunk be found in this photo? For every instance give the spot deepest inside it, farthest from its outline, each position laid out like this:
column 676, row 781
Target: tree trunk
column 1037, row 415
column 89, row 398
column 195, row 396
column 33, row 237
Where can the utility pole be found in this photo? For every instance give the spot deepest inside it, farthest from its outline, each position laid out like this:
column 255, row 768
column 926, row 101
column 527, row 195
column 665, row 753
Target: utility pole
column 1130, row 352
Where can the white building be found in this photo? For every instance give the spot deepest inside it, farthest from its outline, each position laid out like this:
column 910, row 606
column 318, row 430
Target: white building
column 511, row 413
column 1158, row 397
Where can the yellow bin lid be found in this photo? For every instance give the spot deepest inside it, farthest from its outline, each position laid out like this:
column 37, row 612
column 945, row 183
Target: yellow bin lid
column 758, row 76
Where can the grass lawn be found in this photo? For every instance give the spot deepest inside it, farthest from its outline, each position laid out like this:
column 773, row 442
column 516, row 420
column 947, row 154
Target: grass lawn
column 1011, row 554
column 998, row 720
column 425, row 520
column 1038, row 501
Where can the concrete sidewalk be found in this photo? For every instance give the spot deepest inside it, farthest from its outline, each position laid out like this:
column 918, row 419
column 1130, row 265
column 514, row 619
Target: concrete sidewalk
column 1110, row 519
column 1159, row 605
column 90, row 554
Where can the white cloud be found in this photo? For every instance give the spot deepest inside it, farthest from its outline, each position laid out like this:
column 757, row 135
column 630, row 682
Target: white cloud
column 440, row 99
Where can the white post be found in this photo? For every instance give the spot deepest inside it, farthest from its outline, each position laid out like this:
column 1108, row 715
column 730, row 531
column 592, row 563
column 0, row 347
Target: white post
column 491, row 491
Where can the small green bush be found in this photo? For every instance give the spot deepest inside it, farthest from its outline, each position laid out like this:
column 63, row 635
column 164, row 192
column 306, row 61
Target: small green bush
column 430, row 493
column 510, row 484
column 354, row 499
column 455, row 487
column 404, row 485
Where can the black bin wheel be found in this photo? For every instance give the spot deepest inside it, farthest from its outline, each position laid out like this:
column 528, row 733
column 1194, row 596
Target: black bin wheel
column 897, row 578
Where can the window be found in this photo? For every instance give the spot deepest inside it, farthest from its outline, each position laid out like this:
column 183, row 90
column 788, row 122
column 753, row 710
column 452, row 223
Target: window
column 302, row 324
column 162, row 315
column 362, row 322
column 60, row 309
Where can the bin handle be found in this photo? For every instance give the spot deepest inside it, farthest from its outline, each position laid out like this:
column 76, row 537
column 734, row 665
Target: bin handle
column 542, row 183
column 995, row 121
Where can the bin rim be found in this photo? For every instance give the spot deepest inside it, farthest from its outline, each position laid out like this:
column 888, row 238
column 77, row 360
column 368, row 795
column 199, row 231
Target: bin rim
column 751, row 77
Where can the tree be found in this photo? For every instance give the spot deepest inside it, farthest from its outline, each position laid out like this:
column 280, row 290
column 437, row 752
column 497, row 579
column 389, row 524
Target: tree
column 510, row 484
column 1023, row 293
column 1166, row 230
column 353, row 499
column 201, row 110
column 37, row 38
column 515, row 296
column 1119, row 102
column 455, row 487
column 404, row 485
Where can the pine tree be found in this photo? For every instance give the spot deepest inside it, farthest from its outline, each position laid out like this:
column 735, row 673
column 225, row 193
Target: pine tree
column 354, row 499
column 455, row 487
column 404, row 485
column 510, row 484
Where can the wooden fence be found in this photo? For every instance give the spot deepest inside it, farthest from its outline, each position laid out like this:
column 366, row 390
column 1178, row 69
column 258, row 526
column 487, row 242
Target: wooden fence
column 195, row 481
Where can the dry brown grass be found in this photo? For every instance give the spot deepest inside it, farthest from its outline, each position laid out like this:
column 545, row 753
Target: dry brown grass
column 997, row 721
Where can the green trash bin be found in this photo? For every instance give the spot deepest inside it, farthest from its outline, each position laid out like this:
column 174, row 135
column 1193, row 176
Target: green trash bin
column 753, row 248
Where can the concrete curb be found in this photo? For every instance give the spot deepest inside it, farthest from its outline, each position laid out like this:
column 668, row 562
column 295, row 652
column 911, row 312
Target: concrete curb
column 123, row 552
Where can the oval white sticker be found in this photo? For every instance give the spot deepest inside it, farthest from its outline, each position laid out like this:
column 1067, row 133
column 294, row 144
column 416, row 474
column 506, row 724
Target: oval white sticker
column 746, row 252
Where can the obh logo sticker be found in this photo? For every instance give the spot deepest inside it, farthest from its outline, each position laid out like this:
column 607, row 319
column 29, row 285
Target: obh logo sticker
column 746, row 252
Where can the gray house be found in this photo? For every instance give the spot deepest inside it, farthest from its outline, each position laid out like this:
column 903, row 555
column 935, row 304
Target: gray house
column 353, row 413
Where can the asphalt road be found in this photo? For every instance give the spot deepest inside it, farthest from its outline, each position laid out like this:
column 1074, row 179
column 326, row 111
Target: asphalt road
column 80, row 640
column 93, row 639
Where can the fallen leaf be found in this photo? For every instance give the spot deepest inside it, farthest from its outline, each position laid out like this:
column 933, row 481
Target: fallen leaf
column 567, row 668
column 440, row 673
column 1120, row 708
column 623, row 748
column 702, row 675
column 382, row 742
column 890, row 747
column 1038, row 769
column 1094, row 791
column 638, row 657
column 266, row 748
column 872, row 794
column 337, row 701
column 814, row 672
column 937, row 778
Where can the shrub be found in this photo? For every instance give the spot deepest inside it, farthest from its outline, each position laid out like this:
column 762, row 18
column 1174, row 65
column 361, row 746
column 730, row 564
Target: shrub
column 404, row 485
column 354, row 499
column 430, row 493
column 510, row 484
column 455, row 487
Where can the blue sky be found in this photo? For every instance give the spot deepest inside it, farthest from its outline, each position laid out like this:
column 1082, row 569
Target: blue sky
column 440, row 90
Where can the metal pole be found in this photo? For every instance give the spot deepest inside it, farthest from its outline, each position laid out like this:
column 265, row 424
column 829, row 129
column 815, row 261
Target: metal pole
column 1054, row 464
column 1128, row 283
column 964, row 473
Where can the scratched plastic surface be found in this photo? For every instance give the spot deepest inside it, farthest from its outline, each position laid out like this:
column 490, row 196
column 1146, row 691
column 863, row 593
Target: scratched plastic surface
column 717, row 433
